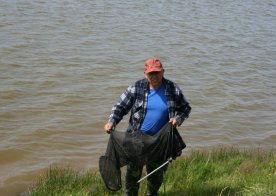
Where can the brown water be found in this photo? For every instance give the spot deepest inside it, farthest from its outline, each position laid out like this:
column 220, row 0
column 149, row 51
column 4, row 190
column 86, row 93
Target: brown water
column 63, row 64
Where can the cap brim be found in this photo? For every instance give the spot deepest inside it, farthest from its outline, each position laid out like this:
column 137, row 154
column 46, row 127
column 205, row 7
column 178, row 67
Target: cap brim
column 153, row 69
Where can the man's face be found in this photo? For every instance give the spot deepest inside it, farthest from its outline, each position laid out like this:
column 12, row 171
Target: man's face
column 155, row 78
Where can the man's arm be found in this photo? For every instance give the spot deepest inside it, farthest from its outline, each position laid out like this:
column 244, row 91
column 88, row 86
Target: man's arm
column 183, row 108
column 121, row 108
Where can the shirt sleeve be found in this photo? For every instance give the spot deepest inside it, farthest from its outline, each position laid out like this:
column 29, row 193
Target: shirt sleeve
column 182, row 107
column 123, row 106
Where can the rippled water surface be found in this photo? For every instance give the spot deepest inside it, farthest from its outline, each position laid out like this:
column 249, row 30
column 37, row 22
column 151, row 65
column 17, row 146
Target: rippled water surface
column 63, row 64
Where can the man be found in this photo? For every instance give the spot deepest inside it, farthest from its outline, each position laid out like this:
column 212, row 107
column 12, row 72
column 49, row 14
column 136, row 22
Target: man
column 153, row 101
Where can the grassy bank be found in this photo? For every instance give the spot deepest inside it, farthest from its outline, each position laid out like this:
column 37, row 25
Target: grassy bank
column 218, row 172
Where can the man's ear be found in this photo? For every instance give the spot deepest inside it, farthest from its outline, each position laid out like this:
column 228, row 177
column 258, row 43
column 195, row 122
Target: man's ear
column 145, row 75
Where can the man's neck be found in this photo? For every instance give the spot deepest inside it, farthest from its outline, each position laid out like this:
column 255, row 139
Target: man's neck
column 151, row 86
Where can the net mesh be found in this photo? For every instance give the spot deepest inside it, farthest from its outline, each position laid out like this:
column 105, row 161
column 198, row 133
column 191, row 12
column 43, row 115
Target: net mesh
column 124, row 148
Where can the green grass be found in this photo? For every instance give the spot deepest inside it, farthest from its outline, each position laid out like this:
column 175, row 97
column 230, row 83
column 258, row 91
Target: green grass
column 222, row 171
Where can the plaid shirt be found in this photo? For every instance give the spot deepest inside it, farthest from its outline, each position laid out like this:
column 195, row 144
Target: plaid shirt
column 135, row 99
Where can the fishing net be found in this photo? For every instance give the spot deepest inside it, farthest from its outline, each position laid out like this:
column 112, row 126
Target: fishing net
column 124, row 148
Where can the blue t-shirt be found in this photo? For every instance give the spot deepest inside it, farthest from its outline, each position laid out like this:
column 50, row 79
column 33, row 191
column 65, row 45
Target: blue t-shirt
column 157, row 112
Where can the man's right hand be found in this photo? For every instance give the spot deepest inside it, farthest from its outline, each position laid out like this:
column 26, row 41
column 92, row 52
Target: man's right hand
column 108, row 127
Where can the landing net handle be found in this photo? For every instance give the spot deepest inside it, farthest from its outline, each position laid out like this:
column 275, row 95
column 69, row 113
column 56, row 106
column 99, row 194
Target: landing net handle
column 167, row 162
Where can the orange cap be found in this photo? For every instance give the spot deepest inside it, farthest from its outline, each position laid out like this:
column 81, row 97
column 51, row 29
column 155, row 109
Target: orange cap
column 153, row 64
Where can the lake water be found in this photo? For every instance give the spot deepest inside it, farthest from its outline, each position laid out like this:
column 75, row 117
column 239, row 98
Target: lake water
column 63, row 65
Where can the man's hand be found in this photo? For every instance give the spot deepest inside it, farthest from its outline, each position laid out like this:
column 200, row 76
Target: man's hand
column 173, row 121
column 108, row 127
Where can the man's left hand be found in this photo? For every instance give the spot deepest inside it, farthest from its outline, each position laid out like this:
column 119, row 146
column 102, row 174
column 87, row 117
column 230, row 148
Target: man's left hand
column 173, row 121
